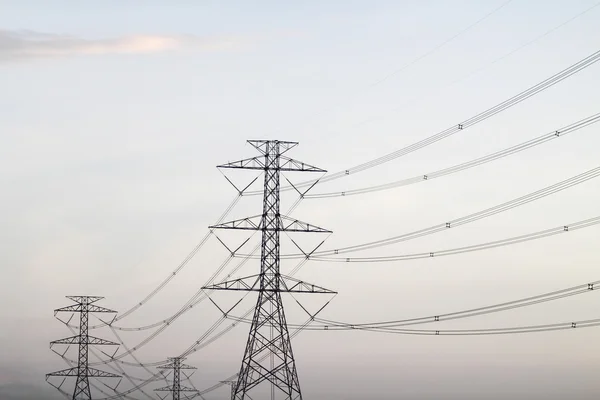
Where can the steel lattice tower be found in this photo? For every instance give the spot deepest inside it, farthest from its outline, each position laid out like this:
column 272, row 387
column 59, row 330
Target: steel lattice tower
column 84, row 305
column 176, row 388
column 268, row 355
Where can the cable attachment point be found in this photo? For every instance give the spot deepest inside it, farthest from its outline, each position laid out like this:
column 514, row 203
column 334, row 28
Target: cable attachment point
column 447, row 224
column 436, row 318
column 590, row 286
column 566, row 228
column 574, row 325
column 557, row 133
column 460, row 126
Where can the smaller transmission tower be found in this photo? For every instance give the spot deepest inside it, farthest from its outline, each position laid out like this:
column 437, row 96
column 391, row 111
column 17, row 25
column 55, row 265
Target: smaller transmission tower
column 84, row 305
column 176, row 389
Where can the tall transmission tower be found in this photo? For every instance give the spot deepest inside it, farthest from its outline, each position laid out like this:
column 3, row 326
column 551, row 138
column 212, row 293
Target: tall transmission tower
column 84, row 305
column 176, row 389
column 268, row 355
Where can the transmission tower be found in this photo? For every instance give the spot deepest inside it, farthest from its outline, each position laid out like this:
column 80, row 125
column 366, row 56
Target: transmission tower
column 268, row 355
column 84, row 305
column 176, row 389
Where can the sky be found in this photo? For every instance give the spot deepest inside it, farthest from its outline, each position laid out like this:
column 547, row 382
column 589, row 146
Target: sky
column 113, row 116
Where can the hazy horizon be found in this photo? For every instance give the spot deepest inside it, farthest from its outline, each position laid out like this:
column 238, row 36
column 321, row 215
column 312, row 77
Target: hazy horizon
column 114, row 115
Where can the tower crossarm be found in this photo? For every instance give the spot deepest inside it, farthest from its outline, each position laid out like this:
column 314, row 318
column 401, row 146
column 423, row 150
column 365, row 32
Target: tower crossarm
column 85, row 299
column 289, row 224
column 170, row 389
column 285, row 284
column 258, row 163
column 246, row 163
column 89, row 372
column 87, row 307
column 263, row 145
column 90, row 340
column 171, row 366
column 289, row 164
column 284, row 223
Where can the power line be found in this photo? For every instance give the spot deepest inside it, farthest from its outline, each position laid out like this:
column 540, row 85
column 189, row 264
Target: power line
column 328, row 324
column 427, row 53
column 482, row 68
column 487, row 331
column 555, row 134
column 533, row 196
column 482, row 116
column 467, row 249
column 174, row 273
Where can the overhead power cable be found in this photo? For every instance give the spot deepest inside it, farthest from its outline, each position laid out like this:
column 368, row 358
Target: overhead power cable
column 506, row 306
column 468, row 249
column 328, row 324
column 479, row 332
column 203, row 341
column 482, row 116
column 430, row 93
column 528, row 198
column 438, row 47
column 174, row 273
column 547, row 83
column 555, row 134
column 422, row 56
column 196, row 299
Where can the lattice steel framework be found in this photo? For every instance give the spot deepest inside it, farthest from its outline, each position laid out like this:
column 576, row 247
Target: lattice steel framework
column 176, row 389
column 268, row 355
column 84, row 305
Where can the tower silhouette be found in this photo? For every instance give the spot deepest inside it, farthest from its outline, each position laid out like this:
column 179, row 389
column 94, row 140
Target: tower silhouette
column 268, row 355
column 176, row 389
column 84, row 305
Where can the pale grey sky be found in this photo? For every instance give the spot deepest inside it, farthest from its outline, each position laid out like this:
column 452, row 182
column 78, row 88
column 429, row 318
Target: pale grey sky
column 113, row 116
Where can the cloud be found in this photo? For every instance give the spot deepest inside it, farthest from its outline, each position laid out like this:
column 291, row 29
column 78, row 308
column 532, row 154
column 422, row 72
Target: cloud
column 26, row 45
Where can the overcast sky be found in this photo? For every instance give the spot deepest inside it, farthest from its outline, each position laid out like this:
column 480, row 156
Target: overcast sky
column 113, row 116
